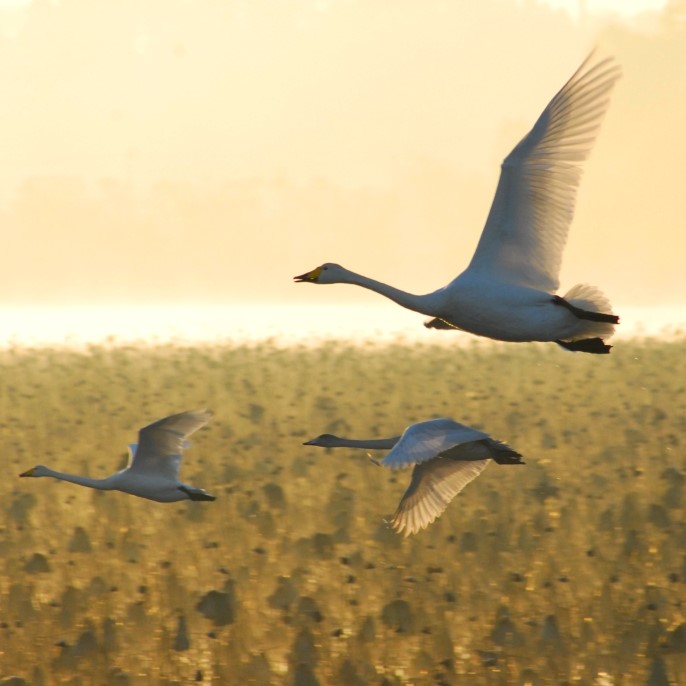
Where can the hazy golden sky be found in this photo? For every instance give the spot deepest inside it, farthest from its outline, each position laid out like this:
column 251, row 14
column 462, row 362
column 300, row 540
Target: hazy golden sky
column 207, row 152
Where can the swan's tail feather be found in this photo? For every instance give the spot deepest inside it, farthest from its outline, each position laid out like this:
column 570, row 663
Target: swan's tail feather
column 591, row 306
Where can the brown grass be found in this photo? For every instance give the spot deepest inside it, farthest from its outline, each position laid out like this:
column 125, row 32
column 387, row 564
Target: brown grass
column 568, row 570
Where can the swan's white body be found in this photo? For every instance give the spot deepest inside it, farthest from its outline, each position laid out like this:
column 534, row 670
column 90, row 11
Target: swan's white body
column 153, row 469
column 507, row 291
column 446, row 456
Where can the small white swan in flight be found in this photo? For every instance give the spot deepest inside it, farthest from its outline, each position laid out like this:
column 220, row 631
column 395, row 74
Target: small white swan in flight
column 446, row 457
column 508, row 290
column 153, row 469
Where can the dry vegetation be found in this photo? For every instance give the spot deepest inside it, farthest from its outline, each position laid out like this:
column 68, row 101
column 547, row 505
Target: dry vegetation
column 568, row 570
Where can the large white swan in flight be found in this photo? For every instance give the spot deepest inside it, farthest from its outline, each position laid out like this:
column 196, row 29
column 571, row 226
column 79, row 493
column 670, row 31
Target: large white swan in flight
column 508, row 290
column 153, row 470
column 446, row 457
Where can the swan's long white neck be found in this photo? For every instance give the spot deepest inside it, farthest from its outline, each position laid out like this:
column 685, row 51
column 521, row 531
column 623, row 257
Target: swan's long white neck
column 102, row 484
column 368, row 443
column 424, row 304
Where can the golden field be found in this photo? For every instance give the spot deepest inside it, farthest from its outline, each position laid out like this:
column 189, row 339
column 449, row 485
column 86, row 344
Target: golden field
column 569, row 570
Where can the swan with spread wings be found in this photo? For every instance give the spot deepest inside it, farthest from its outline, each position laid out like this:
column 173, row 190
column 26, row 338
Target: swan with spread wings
column 153, row 469
column 445, row 456
column 508, row 291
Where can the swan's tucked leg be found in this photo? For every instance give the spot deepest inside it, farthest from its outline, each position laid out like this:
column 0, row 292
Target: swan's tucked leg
column 196, row 494
column 586, row 345
column 586, row 314
column 438, row 323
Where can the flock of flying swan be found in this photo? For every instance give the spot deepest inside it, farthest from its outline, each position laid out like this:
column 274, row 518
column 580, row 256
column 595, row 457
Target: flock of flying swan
column 507, row 292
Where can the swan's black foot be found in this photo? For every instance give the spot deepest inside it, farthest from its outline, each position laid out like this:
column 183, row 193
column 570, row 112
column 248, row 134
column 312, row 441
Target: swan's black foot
column 197, row 494
column 587, row 345
column 508, row 458
column 438, row 323
column 503, row 454
column 586, row 314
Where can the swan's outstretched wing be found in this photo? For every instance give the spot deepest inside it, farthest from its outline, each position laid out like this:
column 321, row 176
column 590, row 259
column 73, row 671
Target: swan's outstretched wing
column 426, row 440
column 527, row 226
column 434, row 484
column 161, row 444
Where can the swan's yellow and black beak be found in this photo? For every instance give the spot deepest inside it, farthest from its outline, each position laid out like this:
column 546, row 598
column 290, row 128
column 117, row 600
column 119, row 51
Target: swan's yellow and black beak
column 308, row 277
column 28, row 472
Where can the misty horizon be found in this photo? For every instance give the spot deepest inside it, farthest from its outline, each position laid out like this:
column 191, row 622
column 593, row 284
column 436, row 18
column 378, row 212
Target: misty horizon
column 283, row 324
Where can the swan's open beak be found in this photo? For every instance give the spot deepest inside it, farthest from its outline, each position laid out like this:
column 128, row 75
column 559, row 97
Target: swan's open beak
column 308, row 277
column 27, row 473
